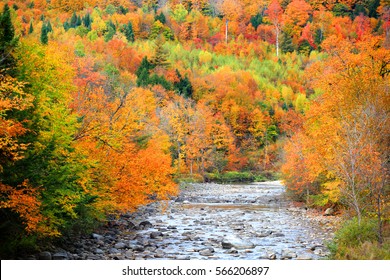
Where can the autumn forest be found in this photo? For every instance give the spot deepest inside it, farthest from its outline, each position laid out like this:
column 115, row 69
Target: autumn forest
column 106, row 105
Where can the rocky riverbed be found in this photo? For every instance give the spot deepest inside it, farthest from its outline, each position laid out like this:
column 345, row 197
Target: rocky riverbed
column 210, row 221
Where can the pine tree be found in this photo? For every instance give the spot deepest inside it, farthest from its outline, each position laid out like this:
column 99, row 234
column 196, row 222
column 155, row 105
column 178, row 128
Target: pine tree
column 73, row 21
column 31, row 29
column 87, row 21
column 7, row 40
column 129, row 33
column 160, row 17
column 44, row 36
column 286, row 43
column 160, row 57
column 79, row 21
column 6, row 28
column 49, row 27
column 183, row 86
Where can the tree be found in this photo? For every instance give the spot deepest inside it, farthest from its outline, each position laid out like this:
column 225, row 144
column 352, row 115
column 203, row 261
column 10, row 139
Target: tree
column 44, row 35
column 87, row 20
column 7, row 40
column 345, row 127
column 296, row 15
column 31, row 28
column 183, row 86
column 49, row 27
column 160, row 57
column 129, row 33
column 161, row 18
column 275, row 13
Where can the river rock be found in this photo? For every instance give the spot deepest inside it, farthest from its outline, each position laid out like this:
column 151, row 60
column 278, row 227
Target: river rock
column 182, row 258
column 329, row 212
column 113, row 251
column 120, row 245
column 137, row 248
column 287, row 254
column 272, row 256
column 99, row 251
column 237, row 243
column 206, row 252
column 155, row 234
column 97, row 236
column 145, row 225
column 60, row 256
column 45, row 255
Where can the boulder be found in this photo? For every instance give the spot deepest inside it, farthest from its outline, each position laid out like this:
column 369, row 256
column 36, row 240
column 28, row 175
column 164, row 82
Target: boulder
column 99, row 251
column 145, row 225
column 155, row 234
column 120, row 245
column 287, row 254
column 45, row 255
column 206, row 252
column 329, row 212
column 97, row 236
column 182, row 258
column 60, row 256
column 237, row 243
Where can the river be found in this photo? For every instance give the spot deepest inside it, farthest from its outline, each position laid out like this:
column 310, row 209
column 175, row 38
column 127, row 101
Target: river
column 212, row 221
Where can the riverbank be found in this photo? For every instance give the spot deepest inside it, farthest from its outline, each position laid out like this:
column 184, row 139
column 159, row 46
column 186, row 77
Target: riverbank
column 210, row 221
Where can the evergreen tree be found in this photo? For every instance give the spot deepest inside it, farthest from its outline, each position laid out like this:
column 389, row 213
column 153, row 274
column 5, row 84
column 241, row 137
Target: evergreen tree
column 44, row 36
column 49, row 27
column 66, row 25
column 318, row 38
column 143, row 72
column 286, row 43
column 160, row 57
column 256, row 20
column 87, row 21
column 373, row 7
column 7, row 40
column 142, row 77
column 73, row 21
column 31, row 29
column 78, row 21
column 145, row 64
column 129, row 33
column 111, row 30
column 160, row 17
column 183, row 86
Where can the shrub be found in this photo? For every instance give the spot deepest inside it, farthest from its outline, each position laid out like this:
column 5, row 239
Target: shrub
column 354, row 241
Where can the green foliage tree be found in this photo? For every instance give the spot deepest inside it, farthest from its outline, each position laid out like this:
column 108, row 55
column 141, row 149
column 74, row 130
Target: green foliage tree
column 341, row 10
column 7, row 40
column 286, row 43
column 44, row 35
column 183, row 86
column 373, row 8
column 256, row 20
column 31, row 28
column 87, row 20
column 49, row 27
column 73, row 20
column 161, row 18
column 129, row 32
column 111, row 30
column 143, row 72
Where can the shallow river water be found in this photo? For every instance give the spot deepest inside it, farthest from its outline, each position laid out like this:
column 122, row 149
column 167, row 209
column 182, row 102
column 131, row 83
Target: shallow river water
column 252, row 221
column 211, row 221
